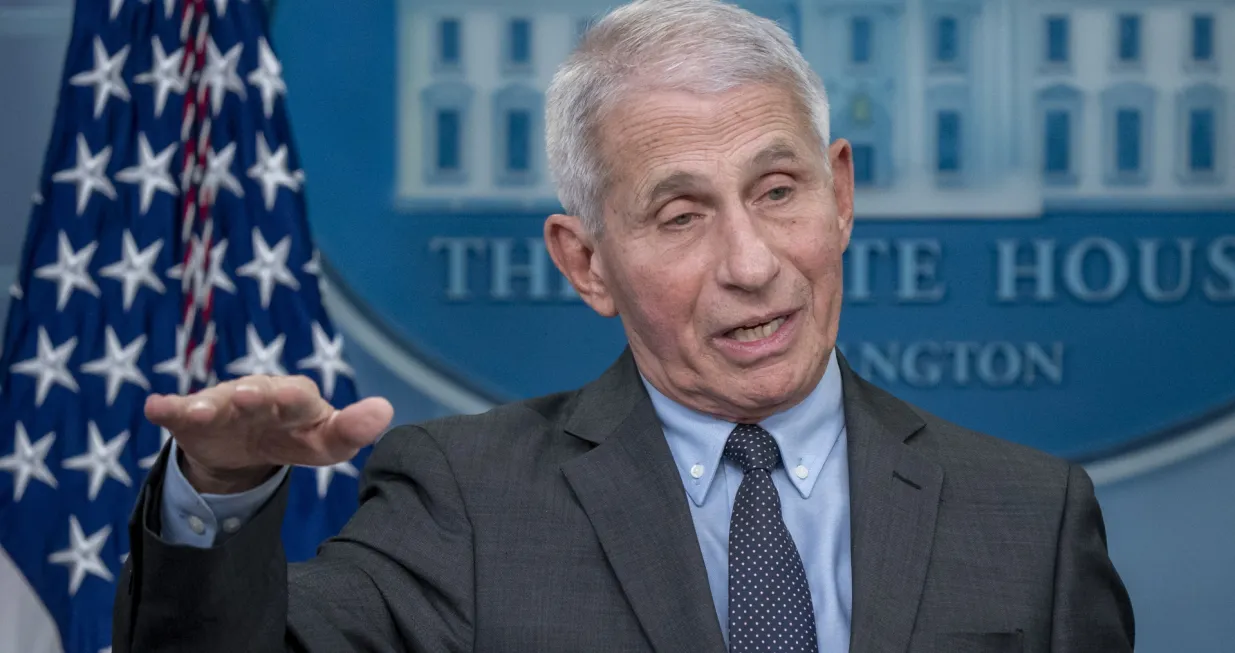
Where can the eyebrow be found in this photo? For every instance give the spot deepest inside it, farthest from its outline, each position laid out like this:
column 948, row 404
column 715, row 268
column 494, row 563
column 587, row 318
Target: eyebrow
column 684, row 183
column 678, row 183
column 775, row 152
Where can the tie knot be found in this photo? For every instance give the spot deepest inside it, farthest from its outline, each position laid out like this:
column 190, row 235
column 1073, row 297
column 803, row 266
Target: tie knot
column 752, row 447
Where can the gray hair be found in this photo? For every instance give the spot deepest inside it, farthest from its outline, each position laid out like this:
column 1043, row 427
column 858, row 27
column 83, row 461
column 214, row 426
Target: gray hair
column 700, row 46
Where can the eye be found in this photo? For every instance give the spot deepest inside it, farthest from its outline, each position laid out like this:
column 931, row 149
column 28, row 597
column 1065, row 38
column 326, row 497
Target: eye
column 779, row 193
column 682, row 220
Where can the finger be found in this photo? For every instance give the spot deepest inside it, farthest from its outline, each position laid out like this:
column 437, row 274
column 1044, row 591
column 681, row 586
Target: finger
column 200, row 410
column 298, row 401
column 165, row 410
column 209, row 407
column 253, row 396
column 178, row 414
column 358, row 425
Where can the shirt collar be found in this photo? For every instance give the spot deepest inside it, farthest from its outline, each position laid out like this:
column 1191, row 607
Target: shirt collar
column 805, row 434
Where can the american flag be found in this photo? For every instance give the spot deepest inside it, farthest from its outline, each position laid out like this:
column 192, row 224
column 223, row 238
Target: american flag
column 168, row 249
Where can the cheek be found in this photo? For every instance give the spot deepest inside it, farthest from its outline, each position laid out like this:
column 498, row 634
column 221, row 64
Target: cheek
column 815, row 249
column 661, row 299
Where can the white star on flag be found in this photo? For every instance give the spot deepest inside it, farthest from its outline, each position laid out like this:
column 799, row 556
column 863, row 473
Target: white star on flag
column 218, row 173
column 102, row 461
column 197, row 259
column 198, row 359
column 269, row 266
column 313, row 266
column 271, row 171
column 151, row 173
column 262, row 358
column 327, row 359
column 105, row 76
column 215, row 276
column 28, row 461
column 268, row 76
column 49, row 366
column 135, row 269
column 221, row 6
column 69, row 271
column 83, row 555
column 220, row 74
column 89, row 173
column 190, row 272
column 176, row 365
column 115, row 9
column 326, row 473
column 202, row 277
column 149, row 461
column 164, row 75
column 119, row 365
column 15, row 290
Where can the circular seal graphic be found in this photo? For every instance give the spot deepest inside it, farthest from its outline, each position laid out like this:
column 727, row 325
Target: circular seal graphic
column 1042, row 255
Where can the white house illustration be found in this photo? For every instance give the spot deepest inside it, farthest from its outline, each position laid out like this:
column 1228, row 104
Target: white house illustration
column 955, row 108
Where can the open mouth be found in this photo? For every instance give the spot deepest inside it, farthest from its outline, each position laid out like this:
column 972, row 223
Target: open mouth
column 757, row 331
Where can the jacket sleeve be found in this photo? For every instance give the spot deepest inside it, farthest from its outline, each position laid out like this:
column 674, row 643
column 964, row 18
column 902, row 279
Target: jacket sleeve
column 397, row 578
column 1092, row 610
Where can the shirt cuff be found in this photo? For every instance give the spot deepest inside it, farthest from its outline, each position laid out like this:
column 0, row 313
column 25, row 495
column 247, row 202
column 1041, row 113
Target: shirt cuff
column 206, row 520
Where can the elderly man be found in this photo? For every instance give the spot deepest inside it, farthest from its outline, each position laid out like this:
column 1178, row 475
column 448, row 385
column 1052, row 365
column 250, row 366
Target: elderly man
column 728, row 482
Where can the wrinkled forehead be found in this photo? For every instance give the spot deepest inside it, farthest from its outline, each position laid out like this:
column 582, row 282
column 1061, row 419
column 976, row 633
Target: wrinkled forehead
column 658, row 133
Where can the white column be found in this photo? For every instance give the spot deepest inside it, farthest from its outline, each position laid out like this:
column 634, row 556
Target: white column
column 910, row 135
column 411, row 71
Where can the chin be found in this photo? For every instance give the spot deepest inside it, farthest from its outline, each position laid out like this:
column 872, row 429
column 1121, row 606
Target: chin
column 767, row 391
column 796, row 374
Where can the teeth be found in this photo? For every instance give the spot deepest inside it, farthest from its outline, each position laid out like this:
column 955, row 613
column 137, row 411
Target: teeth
column 744, row 334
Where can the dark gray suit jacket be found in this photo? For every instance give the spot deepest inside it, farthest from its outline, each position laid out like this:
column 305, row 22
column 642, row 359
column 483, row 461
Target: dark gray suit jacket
column 561, row 524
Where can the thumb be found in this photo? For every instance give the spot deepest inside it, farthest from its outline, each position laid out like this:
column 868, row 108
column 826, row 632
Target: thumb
column 358, row 425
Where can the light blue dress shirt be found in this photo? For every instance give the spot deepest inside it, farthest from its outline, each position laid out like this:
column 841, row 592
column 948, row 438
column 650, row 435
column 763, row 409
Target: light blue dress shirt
column 813, row 484
column 203, row 520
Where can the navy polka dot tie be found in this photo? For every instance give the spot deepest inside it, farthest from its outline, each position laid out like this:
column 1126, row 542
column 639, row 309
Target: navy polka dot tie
column 769, row 601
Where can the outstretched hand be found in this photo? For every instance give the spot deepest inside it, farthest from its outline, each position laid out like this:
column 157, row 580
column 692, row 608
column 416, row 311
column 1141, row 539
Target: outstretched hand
column 235, row 434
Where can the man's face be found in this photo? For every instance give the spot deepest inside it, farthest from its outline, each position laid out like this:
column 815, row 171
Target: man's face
column 722, row 246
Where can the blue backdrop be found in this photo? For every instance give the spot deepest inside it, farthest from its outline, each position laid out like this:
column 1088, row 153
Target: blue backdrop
column 1045, row 248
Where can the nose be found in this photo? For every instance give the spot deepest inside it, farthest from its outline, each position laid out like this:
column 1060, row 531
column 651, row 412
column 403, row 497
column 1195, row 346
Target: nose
column 748, row 263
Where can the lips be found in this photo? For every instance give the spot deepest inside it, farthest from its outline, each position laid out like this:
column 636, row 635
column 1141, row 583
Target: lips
column 758, row 331
column 761, row 338
column 758, row 327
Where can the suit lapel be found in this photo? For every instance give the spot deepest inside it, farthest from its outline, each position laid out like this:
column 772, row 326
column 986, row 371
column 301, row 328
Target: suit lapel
column 894, row 495
column 633, row 495
column 634, row 498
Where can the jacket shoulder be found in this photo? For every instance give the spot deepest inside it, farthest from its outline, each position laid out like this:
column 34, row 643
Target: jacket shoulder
column 989, row 468
column 543, row 412
column 499, row 433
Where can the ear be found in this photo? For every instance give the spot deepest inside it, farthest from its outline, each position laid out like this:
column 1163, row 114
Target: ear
column 841, row 156
column 574, row 253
